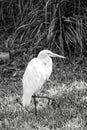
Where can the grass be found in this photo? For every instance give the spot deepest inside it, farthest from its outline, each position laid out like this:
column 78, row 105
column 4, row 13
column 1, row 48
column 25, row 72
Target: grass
column 68, row 110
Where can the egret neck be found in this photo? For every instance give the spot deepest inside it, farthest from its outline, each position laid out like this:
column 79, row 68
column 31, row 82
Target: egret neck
column 47, row 62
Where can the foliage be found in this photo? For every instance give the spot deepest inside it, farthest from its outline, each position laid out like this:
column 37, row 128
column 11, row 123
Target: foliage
column 58, row 25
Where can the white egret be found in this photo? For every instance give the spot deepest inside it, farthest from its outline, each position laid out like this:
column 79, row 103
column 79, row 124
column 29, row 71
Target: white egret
column 37, row 72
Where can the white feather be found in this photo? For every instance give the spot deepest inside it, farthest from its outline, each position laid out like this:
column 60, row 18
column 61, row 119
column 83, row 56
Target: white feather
column 37, row 72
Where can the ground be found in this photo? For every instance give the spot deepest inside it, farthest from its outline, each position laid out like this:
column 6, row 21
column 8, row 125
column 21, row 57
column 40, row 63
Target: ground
column 67, row 110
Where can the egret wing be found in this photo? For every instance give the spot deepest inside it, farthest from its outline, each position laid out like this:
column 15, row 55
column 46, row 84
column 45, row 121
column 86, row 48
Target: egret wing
column 33, row 78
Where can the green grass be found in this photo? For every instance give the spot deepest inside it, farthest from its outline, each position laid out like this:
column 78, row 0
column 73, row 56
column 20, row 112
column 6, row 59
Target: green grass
column 68, row 110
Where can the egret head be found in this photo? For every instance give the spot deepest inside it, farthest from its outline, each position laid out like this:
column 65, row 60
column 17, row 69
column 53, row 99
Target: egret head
column 46, row 53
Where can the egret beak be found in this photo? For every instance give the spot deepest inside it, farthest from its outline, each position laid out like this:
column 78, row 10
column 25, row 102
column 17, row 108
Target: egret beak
column 56, row 55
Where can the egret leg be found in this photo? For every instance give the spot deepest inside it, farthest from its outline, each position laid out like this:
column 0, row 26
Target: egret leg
column 34, row 97
column 35, row 103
